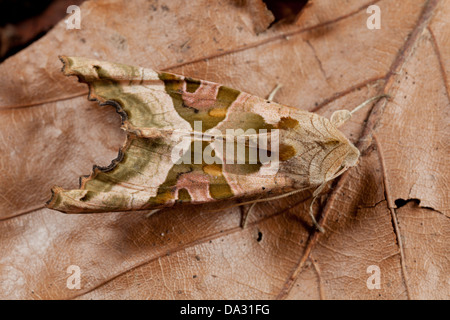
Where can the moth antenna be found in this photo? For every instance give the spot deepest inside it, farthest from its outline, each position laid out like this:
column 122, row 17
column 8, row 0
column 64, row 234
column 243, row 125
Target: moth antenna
column 274, row 92
column 365, row 103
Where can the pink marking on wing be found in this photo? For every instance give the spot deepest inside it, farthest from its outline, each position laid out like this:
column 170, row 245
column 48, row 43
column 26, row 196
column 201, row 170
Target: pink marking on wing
column 197, row 184
column 203, row 98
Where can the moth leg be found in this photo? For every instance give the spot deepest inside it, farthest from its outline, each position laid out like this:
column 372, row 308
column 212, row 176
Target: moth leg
column 316, row 193
column 147, row 215
column 245, row 214
column 254, row 202
column 311, row 213
column 274, row 92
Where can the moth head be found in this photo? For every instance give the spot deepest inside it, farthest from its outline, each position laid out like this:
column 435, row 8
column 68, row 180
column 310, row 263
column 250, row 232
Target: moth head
column 350, row 158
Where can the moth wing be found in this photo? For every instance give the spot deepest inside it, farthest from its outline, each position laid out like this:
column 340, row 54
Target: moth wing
column 153, row 105
column 144, row 176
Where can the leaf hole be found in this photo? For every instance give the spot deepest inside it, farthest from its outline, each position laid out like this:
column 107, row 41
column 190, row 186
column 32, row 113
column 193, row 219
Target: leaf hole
column 259, row 236
column 286, row 11
column 402, row 202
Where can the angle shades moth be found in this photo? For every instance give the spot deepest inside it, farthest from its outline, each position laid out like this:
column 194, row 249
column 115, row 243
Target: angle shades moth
column 155, row 170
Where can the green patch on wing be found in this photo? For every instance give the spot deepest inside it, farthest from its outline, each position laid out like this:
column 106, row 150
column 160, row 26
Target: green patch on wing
column 184, row 196
column 138, row 112
column 192, row 84
column 135, row 159
column 141, row 157
column 217, row 184
column 251, row 120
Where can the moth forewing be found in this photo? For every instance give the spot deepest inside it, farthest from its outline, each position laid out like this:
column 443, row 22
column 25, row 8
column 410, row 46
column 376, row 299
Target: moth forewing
column 160, row 109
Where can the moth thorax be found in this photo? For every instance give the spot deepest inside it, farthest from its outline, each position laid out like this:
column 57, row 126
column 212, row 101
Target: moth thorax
column 342, row 158
column 352, row 157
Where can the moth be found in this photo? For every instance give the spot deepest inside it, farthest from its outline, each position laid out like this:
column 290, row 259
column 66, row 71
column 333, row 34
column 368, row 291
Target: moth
column 195, row 141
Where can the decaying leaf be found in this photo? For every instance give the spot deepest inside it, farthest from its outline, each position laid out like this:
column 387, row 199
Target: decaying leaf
column 391, row 211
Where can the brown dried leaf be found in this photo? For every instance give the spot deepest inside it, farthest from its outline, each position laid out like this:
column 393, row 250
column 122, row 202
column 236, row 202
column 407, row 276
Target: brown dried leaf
column 391, row 211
